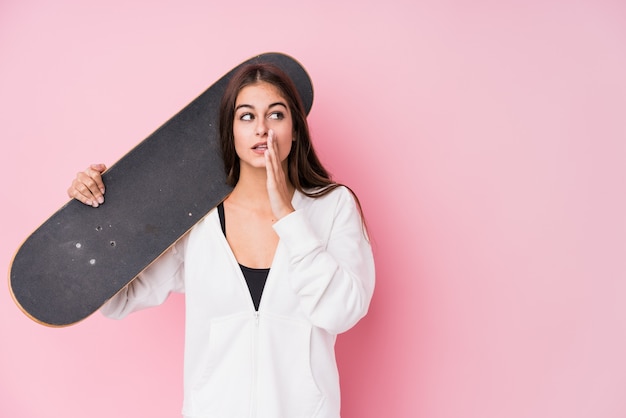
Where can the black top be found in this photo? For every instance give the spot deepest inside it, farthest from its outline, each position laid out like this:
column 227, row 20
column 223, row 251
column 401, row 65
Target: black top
column 255, row 278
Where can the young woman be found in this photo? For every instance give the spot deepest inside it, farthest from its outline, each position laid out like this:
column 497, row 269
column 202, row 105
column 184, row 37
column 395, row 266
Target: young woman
column 271, row 276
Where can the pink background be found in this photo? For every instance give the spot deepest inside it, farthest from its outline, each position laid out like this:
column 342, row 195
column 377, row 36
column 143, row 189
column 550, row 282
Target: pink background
column 486, row 140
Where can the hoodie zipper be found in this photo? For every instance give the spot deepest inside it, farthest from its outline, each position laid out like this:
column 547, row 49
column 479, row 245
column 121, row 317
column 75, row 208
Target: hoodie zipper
column 255, row 347
column 255, row 366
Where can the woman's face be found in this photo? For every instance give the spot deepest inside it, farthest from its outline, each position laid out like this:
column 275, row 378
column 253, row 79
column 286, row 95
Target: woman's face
column 260, row 108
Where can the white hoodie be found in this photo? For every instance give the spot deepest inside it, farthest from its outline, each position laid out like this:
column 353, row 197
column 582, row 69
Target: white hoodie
column 278, row 362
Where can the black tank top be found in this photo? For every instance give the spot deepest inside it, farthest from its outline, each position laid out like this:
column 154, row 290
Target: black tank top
column 255, row 278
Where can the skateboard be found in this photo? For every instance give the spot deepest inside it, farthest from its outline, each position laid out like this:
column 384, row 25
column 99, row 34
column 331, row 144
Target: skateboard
column 82, row 256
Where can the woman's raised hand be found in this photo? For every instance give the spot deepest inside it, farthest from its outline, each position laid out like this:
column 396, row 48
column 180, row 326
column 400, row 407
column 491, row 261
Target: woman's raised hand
column 88, row 187
column 277, row 188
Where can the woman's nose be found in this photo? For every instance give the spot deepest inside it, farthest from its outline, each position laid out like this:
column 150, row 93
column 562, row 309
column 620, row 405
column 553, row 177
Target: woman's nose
column 261, row 128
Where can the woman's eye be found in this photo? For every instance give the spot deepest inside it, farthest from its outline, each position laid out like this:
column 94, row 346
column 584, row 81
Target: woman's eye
column 246, row 117
column 276, row 115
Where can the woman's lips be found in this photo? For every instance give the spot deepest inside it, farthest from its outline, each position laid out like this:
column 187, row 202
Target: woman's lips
column 260, row 147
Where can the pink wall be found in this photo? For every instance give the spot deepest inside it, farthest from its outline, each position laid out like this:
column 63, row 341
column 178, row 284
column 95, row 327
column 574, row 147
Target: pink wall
column 486, row 139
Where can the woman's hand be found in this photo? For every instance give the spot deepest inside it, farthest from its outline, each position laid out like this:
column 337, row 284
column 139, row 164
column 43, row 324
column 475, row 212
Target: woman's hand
column 88, row 187
column 280, row 192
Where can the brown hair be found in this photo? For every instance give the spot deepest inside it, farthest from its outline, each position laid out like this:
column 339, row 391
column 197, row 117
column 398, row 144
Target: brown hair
column 305, row 171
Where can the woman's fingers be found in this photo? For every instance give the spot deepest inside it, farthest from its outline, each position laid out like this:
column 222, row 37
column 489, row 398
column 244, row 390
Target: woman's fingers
column 277, row 189
column 275, row 175
column 270, row 156
column 88, row 186
column 95, row 172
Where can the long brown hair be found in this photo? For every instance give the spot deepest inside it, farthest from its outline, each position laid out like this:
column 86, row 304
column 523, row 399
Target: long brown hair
column 304, row 169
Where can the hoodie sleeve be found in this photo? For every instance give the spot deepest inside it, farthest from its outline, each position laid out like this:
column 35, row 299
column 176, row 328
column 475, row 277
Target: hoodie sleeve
column 151, row 287
column 334, row 278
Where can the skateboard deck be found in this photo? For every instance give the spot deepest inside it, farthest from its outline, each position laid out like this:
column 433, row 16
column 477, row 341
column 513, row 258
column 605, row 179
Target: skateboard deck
column 82, row 256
